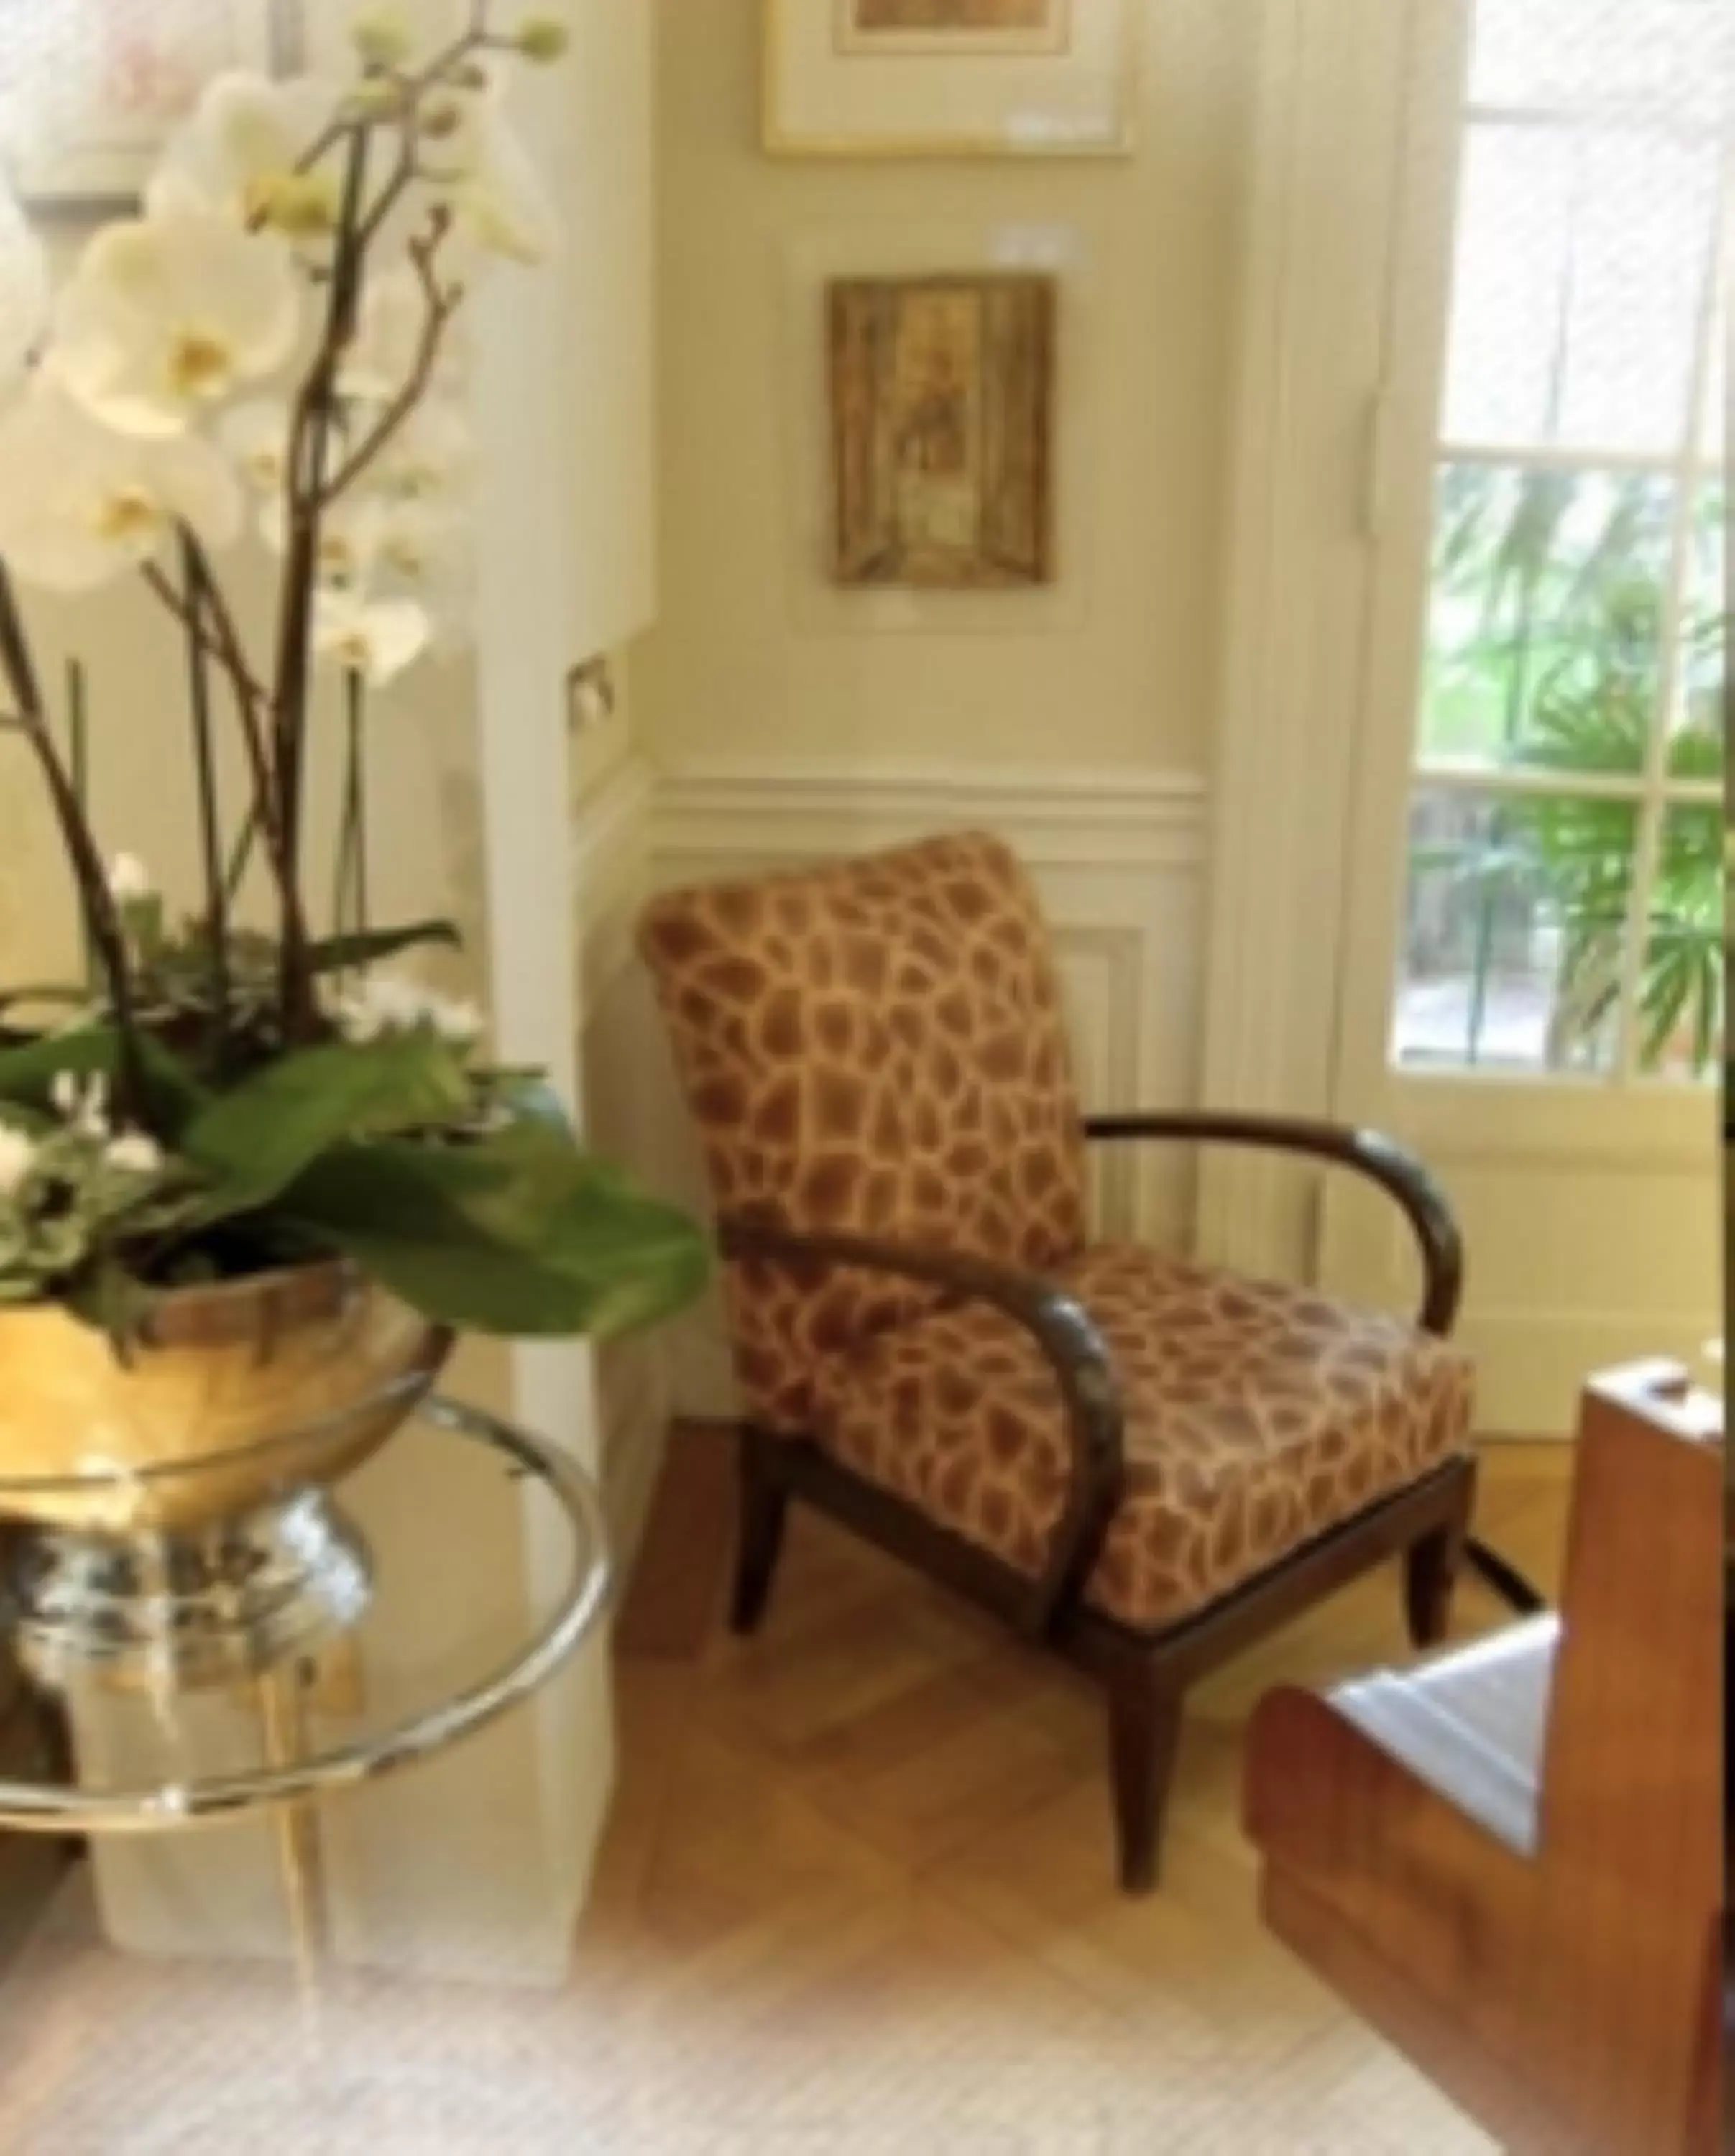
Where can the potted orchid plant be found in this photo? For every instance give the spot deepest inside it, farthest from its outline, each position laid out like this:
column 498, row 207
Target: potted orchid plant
column 253, row 1177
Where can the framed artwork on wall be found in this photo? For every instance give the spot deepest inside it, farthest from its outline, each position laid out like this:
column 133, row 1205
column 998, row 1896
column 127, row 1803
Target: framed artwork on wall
column 964, row 78
column 937, row 389
column 940, row 391
column 92, row 87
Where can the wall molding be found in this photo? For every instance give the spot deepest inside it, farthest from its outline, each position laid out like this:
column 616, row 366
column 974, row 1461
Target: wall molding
column 1064, row 818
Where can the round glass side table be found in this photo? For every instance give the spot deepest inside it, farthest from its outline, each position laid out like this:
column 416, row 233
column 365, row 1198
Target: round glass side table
column 238, row 1674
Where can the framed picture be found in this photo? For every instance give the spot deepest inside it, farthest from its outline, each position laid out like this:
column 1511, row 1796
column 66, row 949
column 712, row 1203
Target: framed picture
column 942, row 402
column 93, row 87
column 978, row 29
column 939, row 433
column 923, row 78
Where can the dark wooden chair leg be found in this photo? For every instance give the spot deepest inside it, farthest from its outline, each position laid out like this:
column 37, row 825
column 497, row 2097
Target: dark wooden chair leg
column 1144, row 1724
column 1520, row 1594
column 764, row 1513
column 1431, row 1570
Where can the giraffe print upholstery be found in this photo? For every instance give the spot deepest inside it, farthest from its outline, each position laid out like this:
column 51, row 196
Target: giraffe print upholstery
column 877, row 1047
column 874, row 1048
column 1257, row 1418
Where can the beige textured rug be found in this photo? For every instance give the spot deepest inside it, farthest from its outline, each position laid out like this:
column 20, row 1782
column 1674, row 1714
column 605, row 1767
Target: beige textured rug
column 855, row 1900
column 102, row 2056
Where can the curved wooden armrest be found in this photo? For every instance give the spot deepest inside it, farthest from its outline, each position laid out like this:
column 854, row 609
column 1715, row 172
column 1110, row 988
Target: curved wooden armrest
column 1381, row 1159
column 1073, row 1348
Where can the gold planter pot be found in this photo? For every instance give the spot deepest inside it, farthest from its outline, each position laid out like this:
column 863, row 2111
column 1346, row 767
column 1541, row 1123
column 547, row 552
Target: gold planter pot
column 239, row 1396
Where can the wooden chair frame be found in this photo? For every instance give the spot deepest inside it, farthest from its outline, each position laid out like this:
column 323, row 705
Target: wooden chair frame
column 1145, row 1676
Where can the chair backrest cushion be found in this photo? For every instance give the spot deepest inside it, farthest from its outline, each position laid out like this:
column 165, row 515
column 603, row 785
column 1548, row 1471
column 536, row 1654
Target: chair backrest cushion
column 873, row 1048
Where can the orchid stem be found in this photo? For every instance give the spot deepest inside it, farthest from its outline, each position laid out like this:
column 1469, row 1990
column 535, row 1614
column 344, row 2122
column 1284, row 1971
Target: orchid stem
column 210, row 819
column 79, row 753
column 101, row 915
column 241, row 858
column 310, row 451
column 353, row 908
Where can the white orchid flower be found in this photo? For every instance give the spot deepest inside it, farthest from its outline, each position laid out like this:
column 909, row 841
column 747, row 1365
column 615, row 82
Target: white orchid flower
column 376, row 639
column 134, row 1154
column 244, row 154
column 425, row 553
column 388, row 1003
column 471, row 159
column 168, row 314
column 17, row 1157
column 349, row 538
column 382, row 355
column 83, row 1103
column 501, row 204
column 430, row 458
column 418, row 542
column 80, row 505
column 23, row 289
column 257, row 435
column 129, row 882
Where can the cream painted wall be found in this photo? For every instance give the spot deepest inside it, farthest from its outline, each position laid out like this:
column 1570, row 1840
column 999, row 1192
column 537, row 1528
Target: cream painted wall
column 1128, row 676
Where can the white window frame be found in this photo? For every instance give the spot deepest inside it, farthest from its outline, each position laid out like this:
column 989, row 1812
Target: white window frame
column 1651, row 789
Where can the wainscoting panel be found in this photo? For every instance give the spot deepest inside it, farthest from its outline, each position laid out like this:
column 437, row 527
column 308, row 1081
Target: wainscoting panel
column 1119, row 858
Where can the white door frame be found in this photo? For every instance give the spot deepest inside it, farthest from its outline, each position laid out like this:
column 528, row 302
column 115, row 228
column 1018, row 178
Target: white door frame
column 1333, row 95
column 1359, row 124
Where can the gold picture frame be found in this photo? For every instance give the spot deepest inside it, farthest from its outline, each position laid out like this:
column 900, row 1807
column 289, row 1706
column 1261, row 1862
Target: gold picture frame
column 927, row 81
column 978, row 29
column 941, row 398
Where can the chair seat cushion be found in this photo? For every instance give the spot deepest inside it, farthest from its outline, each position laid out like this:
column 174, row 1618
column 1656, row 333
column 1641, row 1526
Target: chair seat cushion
column 1257, row 1418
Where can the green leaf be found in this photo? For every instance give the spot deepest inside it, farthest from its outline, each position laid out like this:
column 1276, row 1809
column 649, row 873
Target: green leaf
column 519, row 1234
column 112, row 1301
column 1665, row 992
column 337, row 954
column 28, row 1074
column 252, row 1143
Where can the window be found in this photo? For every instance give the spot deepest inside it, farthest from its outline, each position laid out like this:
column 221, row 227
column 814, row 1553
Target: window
column 1565, row 904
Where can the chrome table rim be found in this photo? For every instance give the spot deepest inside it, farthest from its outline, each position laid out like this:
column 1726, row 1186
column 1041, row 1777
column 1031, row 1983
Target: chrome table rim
column 27, row 1808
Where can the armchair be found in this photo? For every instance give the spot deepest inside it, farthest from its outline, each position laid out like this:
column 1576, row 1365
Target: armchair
column 1143, row 1463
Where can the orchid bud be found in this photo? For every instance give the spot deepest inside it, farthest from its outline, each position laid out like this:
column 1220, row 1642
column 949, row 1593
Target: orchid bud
column 542, row 38
column 300, row 205
column 441, row 121
column 382, row 38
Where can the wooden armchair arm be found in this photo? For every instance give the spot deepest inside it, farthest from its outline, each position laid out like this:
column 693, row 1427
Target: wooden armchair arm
column 1381, row 1159
column 1074, row 1351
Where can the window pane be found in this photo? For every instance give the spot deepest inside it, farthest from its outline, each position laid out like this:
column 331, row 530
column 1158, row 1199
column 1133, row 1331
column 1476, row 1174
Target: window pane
column 1583, row 261
column 1675, row 57
column 1714, row 429
column 1515, row 215
column 1515, row 927
column 1545, row 626
column 1680, row 991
